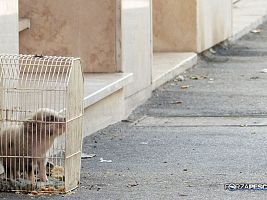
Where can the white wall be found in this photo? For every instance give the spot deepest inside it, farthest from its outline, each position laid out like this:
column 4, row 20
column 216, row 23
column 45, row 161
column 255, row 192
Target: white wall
column 214, row 22
column 9, row 27
column 137, row 49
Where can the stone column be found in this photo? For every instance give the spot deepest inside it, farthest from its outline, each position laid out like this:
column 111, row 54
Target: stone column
column 9, row 26
column 137, row 49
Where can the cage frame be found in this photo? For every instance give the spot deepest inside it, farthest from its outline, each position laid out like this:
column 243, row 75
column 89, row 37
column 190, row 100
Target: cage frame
column 11, row 67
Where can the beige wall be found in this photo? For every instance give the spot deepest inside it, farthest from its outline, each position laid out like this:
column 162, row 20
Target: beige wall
column 83, row 28
column 190, row 25
column 174, row 25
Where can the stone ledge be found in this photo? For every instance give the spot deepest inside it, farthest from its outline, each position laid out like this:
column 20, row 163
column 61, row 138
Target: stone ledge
column 97, row 86
column 247, row 15
column 24, row 24
column 167, row 66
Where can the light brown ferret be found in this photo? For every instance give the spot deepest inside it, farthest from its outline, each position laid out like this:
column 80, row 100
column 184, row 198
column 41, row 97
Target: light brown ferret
column 23, row 148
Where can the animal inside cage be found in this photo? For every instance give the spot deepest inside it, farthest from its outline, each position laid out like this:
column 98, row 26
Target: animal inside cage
column 41, row 114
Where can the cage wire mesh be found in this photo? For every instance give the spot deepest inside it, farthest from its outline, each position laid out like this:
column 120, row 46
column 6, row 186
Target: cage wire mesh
column 40, row 123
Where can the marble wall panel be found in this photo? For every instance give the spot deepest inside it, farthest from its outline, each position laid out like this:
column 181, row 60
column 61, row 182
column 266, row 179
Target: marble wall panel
column 81, row 28
column 9, row 26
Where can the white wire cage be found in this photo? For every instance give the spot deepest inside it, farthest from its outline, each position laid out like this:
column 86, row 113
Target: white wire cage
column 41, row 116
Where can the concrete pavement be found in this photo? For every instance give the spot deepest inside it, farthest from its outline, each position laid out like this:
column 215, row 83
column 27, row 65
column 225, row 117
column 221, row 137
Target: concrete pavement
column 187, row 143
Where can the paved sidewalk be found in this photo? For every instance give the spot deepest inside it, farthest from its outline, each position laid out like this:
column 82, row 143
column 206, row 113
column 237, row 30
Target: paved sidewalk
column 187, row 143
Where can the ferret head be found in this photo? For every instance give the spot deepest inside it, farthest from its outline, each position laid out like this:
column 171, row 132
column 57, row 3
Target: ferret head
column 47, row 121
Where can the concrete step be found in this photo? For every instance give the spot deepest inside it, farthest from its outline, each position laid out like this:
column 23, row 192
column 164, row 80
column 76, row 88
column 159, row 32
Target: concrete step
column 104, row 99
column 247, row 15
column 167, row 66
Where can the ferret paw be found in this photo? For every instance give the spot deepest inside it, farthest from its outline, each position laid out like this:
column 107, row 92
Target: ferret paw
column 43, row 178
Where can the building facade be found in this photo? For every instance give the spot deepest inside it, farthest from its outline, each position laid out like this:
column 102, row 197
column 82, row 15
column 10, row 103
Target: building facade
column 127, row 47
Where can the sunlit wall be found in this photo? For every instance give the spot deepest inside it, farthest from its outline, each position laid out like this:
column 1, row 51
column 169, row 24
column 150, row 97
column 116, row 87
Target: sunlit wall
column 9, row 26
